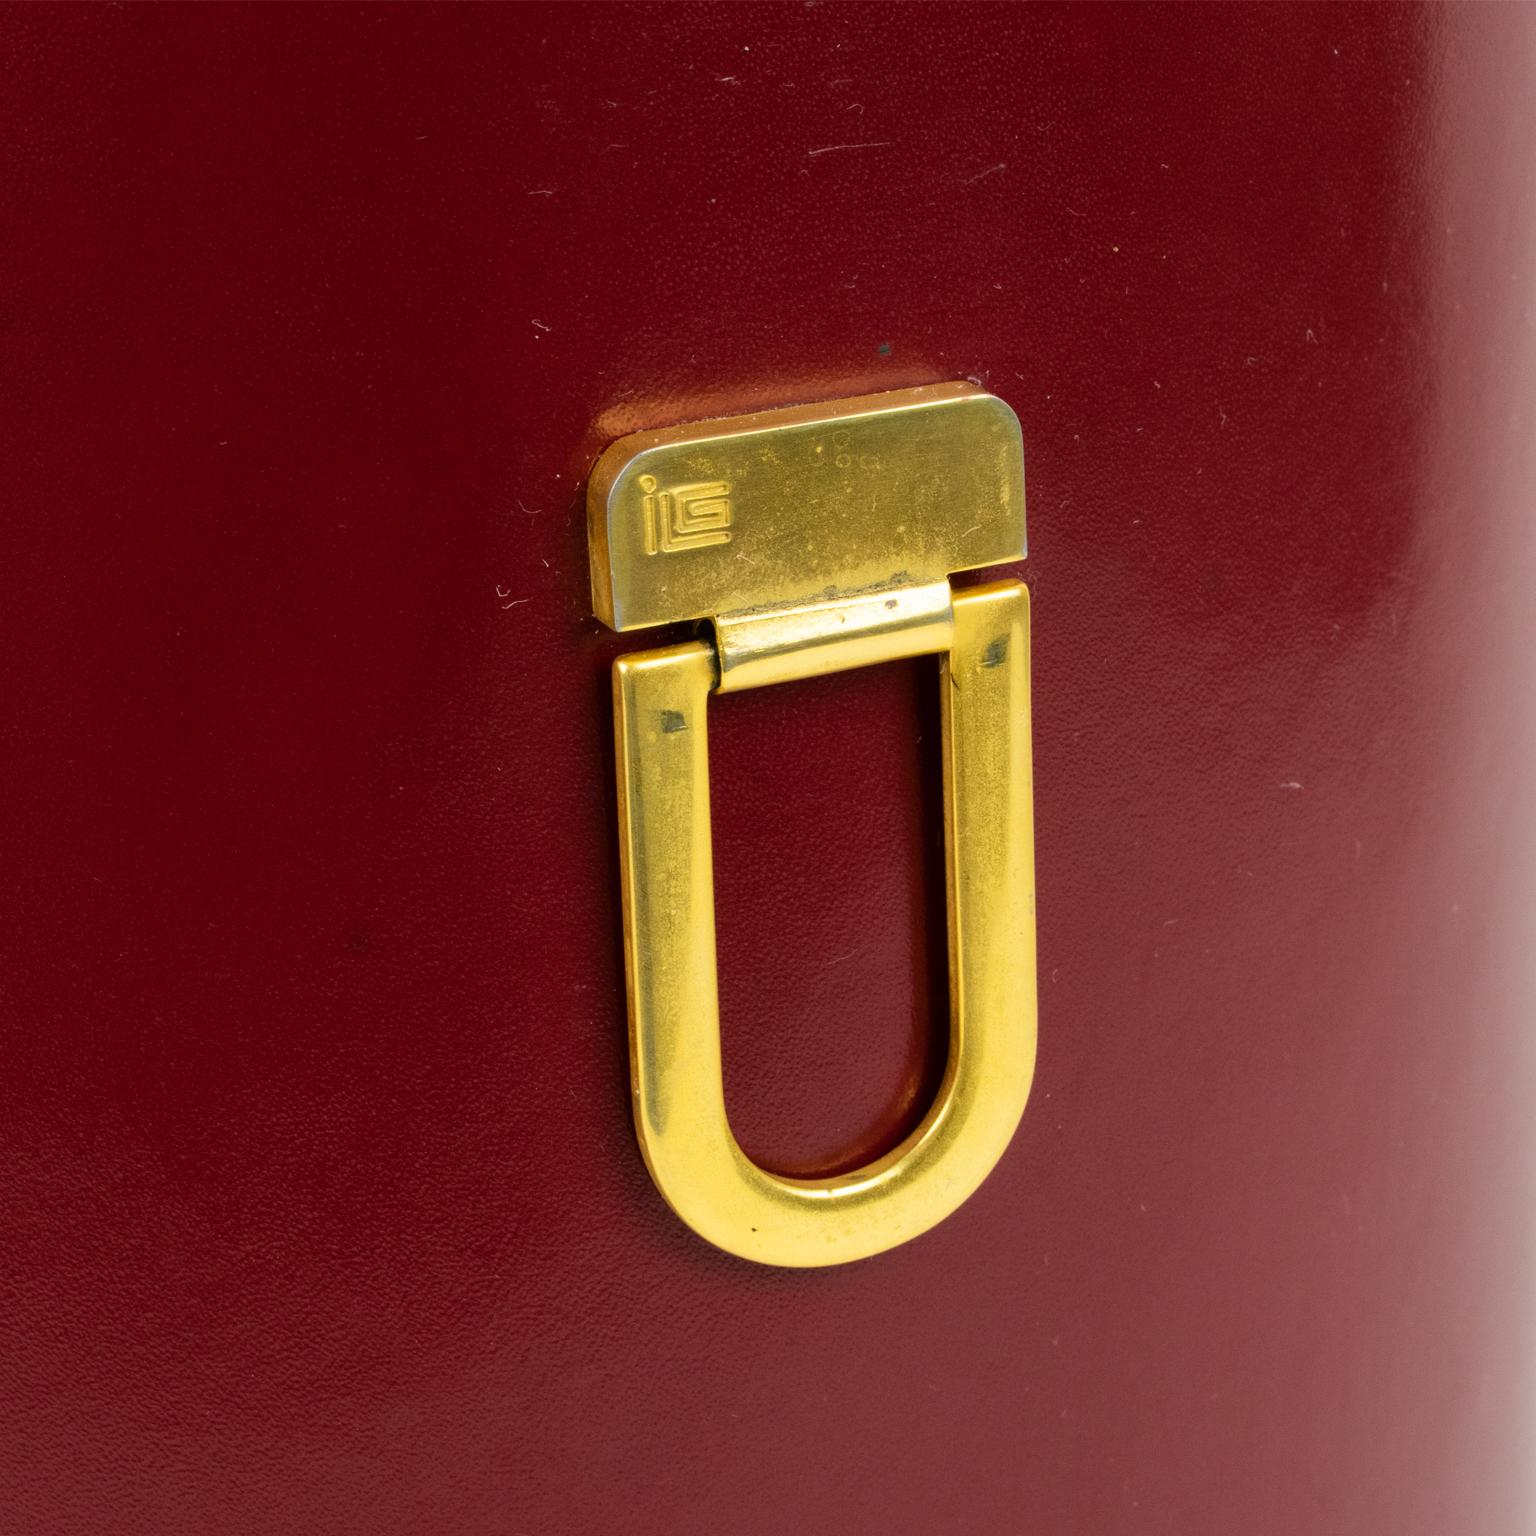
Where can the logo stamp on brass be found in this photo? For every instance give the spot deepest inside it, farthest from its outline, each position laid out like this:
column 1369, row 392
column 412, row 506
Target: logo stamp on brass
column 686, row 516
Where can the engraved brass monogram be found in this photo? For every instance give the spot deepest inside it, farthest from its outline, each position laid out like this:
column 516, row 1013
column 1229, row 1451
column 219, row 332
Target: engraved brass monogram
column 685, row 517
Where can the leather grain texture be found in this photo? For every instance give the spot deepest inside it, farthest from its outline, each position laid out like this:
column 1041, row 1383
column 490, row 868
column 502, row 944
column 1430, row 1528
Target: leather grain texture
column 319, row 1207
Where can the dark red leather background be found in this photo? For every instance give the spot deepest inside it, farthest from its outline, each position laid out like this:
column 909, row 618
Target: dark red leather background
column 319, row 1207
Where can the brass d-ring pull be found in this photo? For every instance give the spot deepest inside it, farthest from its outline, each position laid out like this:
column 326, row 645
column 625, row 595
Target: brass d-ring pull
column 820, row 538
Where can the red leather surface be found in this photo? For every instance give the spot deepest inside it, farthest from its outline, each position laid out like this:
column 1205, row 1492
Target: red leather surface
column 319, row 1207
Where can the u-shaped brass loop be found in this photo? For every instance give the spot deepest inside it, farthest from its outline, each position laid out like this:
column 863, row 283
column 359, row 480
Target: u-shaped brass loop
column 660, row 700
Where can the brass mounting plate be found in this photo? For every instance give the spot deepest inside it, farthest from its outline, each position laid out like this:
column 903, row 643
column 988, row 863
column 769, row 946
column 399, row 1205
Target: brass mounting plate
column 804, row 504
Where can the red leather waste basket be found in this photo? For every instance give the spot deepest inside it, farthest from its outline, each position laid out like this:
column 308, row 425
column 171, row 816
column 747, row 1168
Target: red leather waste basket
column 320, row 1207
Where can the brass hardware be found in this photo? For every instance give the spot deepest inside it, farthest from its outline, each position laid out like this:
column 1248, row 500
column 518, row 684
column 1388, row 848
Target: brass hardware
column 819, row 538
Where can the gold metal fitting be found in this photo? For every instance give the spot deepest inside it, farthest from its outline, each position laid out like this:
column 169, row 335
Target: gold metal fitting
column 815, row 539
